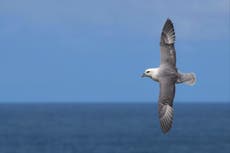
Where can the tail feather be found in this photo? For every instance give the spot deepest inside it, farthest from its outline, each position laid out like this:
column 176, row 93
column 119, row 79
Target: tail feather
column 187, row 78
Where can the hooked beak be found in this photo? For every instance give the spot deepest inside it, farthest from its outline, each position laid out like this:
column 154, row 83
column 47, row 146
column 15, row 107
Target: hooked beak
column 143, row 75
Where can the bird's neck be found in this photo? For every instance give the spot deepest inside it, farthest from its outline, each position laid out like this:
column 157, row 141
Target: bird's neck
column 155, row 74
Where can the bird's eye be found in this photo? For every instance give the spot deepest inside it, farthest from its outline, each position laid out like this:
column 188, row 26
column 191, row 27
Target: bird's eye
column 147, row 71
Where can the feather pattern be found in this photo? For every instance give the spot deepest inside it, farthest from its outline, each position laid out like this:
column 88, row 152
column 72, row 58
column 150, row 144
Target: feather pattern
column 168, row 34
column 165, row 103
column 167, row 40
column 166, row 117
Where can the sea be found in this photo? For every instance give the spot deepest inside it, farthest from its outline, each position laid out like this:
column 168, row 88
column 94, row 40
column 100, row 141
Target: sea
column 113, row 128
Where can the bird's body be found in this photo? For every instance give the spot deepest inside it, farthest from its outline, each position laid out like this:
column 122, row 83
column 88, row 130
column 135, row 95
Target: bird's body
column 168, row 76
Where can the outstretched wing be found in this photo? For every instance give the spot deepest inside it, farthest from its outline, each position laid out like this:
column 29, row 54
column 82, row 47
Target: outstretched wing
column 165, row 103
column 168, row 52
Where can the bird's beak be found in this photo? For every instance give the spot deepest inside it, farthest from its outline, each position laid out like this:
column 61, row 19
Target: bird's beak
column 143, row 75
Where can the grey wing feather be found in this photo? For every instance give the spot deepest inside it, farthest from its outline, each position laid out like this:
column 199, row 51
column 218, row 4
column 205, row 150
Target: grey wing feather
column 168, row 37
column 165, row 103
column 166, row 117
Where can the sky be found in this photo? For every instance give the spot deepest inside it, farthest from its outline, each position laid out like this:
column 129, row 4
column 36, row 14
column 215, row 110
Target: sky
column 96, row 51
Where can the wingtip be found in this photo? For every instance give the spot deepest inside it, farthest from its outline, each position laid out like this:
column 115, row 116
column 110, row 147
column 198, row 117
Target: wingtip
column 165, row 132
column 168, row 34
column 165, row 129
column 169, row 20
column 166, row 119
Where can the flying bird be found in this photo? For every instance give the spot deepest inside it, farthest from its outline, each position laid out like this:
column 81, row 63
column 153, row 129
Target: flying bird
column 168, row 76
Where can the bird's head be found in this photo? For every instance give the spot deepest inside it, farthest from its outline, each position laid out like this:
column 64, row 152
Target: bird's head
column 147, row 73
column 151, row 73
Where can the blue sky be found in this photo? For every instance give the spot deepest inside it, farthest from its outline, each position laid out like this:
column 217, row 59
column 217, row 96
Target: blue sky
column 95, row 51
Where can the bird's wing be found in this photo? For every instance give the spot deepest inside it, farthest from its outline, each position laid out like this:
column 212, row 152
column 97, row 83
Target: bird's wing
column 165, row 103
column 168, row 52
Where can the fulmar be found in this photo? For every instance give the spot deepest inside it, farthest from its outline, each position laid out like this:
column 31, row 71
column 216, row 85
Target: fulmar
column 167, row 75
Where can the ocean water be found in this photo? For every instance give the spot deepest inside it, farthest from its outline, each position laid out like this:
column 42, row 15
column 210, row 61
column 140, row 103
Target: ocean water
column 113, row 128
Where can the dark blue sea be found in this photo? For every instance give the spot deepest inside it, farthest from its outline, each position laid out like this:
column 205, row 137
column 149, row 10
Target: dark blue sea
column 113, row 128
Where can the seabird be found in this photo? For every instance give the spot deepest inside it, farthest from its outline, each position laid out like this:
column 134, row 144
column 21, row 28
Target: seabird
column 167, row 75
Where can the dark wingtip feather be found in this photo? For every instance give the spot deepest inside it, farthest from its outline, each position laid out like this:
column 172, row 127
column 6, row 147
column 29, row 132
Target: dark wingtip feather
column 166, row 118
column 168, row 33
column 169, row 21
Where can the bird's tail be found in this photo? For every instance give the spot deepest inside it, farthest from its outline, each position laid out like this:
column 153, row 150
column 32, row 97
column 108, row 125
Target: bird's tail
column 187, row 78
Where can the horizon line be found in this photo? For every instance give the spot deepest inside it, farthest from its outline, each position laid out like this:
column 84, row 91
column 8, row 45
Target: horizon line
column 104, row 102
